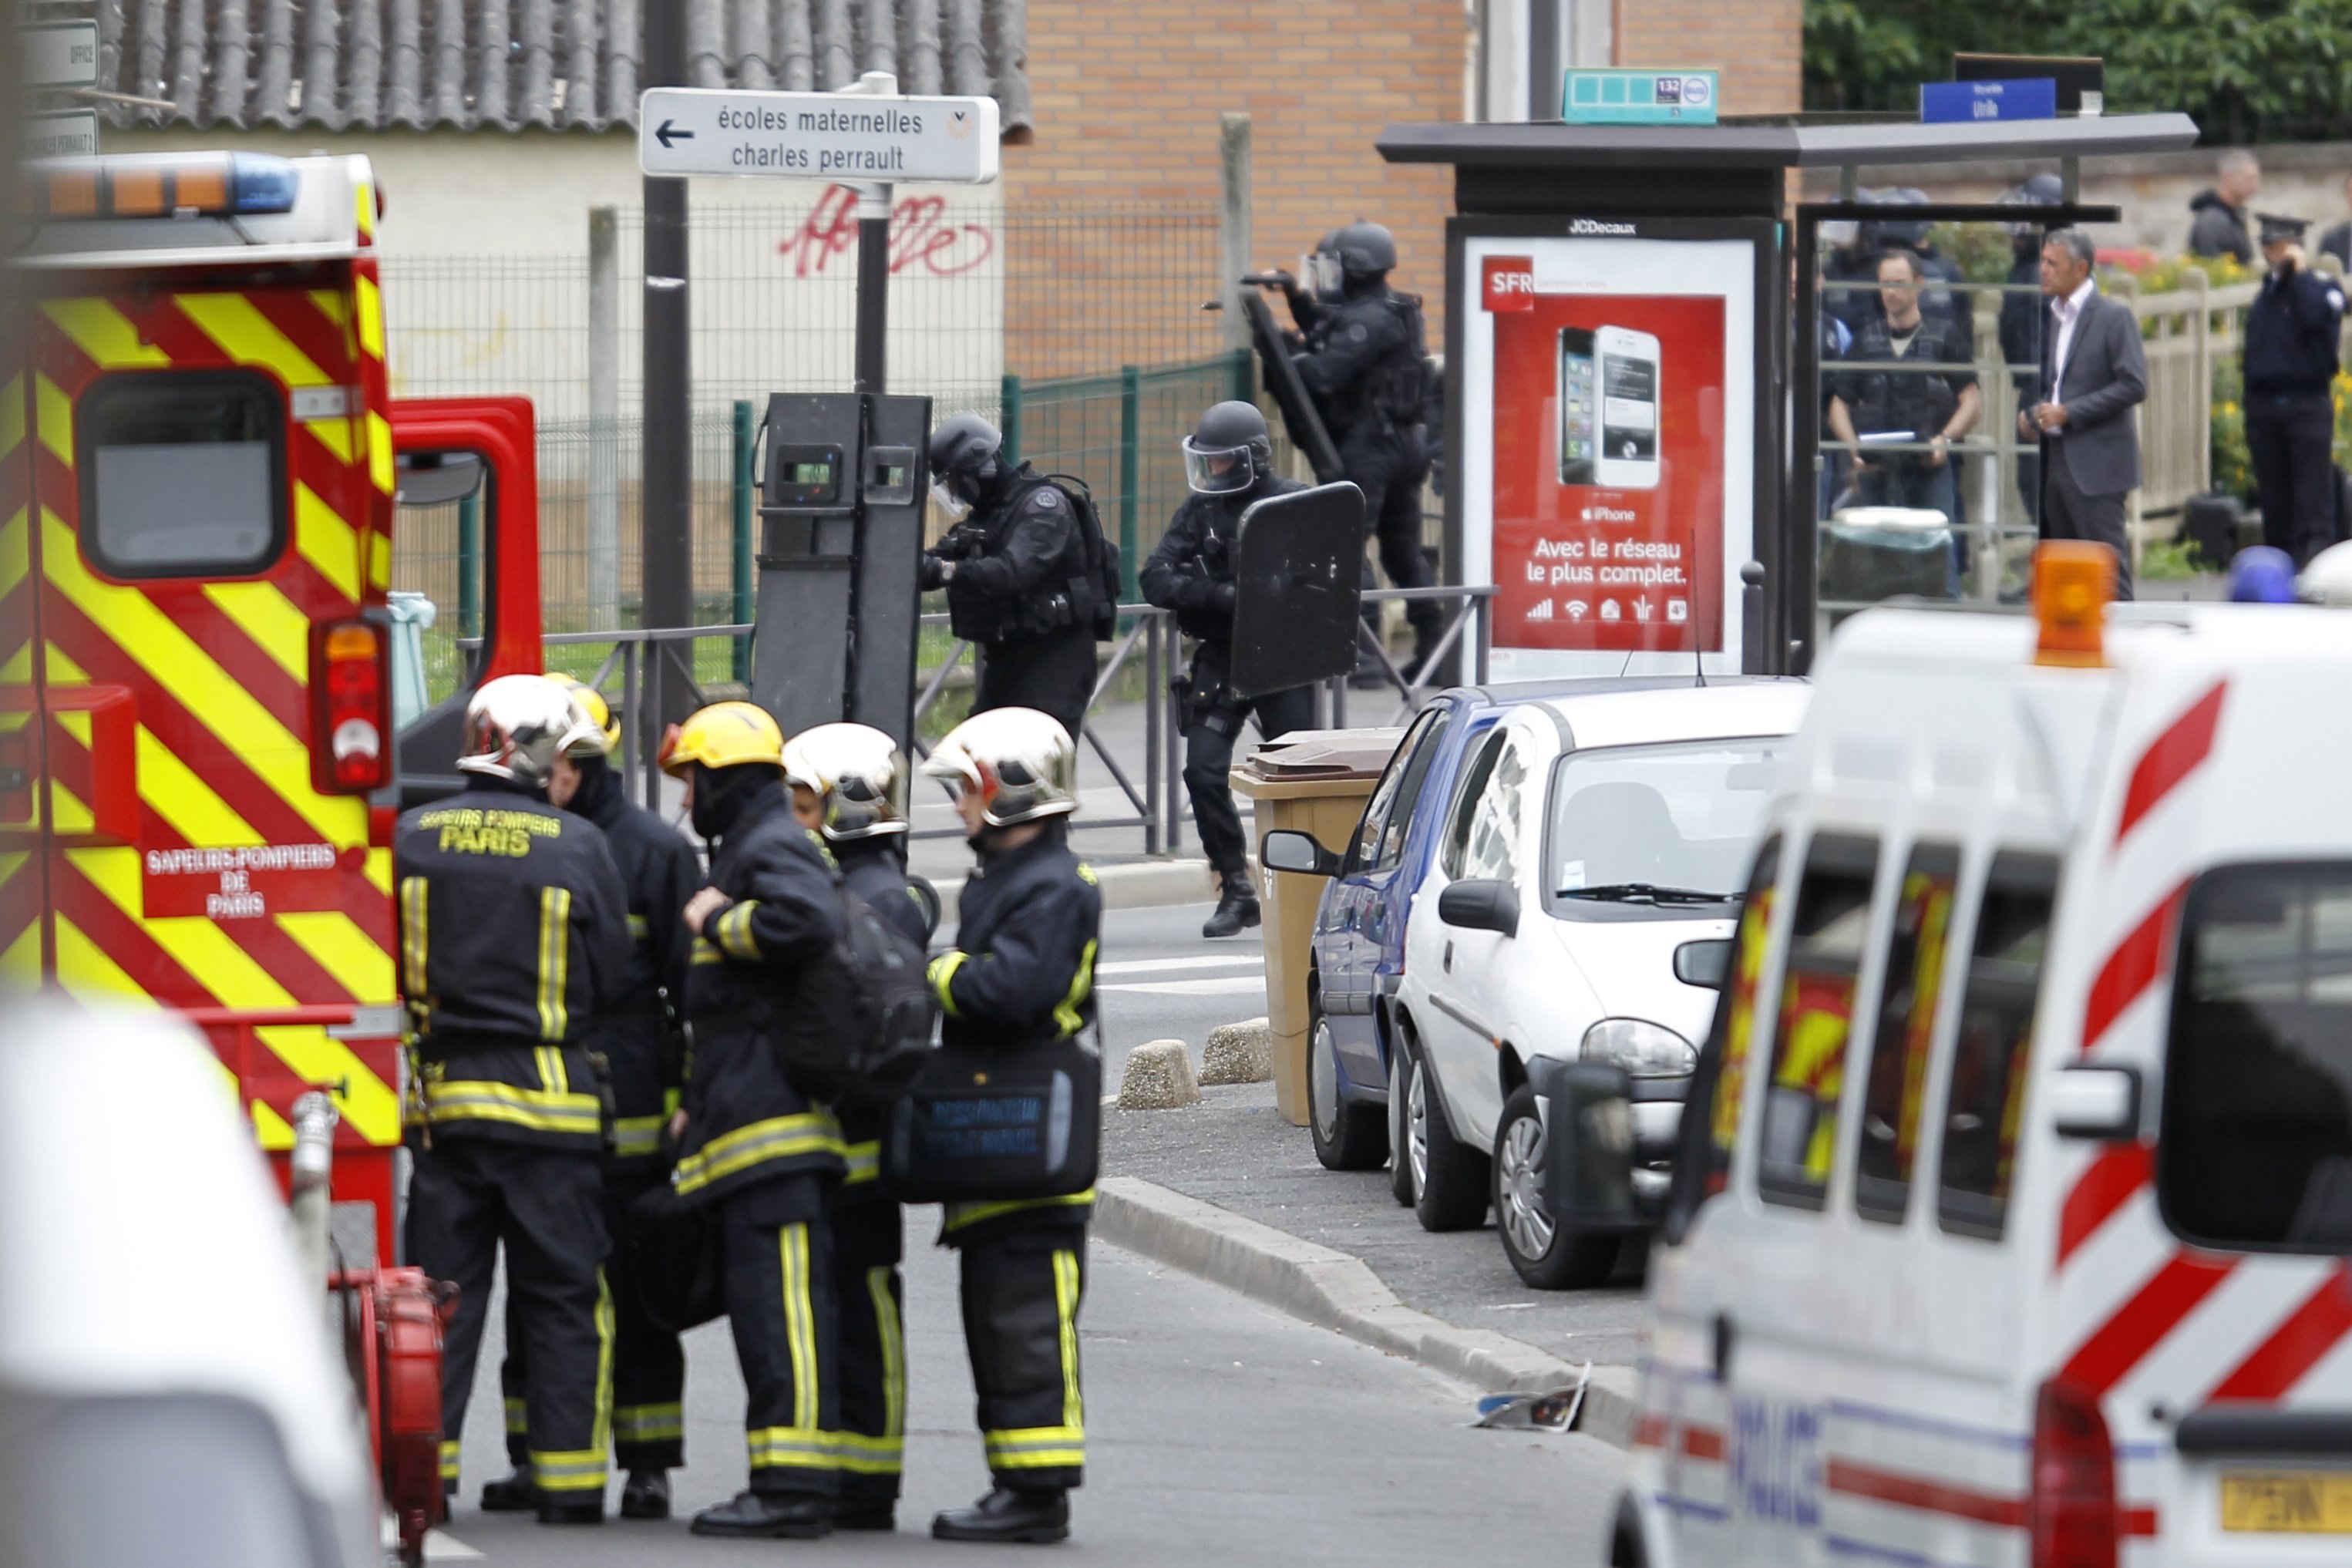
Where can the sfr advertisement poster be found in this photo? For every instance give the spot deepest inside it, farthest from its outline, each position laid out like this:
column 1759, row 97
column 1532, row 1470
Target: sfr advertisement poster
column 1608, row 469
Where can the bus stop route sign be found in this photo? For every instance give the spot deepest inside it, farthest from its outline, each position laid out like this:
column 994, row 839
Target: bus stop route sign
column 841, row 138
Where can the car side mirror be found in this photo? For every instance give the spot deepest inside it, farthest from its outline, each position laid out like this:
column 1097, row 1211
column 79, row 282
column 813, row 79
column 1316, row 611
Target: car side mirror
column 2101, row 1103
column 1704, row 963
column 1481, row 903
column 1288, row 851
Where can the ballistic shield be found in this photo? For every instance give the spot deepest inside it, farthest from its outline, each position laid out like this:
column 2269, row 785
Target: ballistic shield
column 1298, row 415
column 1297, row 586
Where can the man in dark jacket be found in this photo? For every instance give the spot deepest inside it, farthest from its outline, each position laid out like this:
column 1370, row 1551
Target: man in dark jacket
column 1021, row 976
column 2093, row 370
column 514, row 939
column 2218, row 227
column 1020, row 572
column 2290, row 372
column 766, row 995
column 1229, row 463
column 640, row 1039
column 849, row 787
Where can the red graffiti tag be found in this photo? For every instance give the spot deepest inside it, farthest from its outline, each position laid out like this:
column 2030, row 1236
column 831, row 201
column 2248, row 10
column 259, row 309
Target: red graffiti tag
column 921, row 235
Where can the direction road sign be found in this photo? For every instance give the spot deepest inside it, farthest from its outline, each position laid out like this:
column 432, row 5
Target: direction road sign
column 844, row 138
column 59, row 54
column 65, row 133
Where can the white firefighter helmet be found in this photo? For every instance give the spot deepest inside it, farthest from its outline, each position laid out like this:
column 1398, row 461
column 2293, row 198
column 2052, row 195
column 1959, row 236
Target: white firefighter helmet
column 858, row 774
column 1019, row 762
column 517, row 725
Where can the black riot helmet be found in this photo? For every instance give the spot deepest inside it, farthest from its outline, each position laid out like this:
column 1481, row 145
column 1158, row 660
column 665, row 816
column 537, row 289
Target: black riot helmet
column 967, row 455
column 1228, row 450
column 1367, row 250
column 2043, row 190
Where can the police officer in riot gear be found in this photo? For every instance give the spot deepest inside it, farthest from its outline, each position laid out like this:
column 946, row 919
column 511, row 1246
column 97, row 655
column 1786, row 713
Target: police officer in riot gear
column 514, row 941
column 2290, row 365
column 1228, row 461
column 1023, row 583
column 1365, row 365
column 639, row 1038
column 755, row 1149
column 1021, row 976
column 849, row 786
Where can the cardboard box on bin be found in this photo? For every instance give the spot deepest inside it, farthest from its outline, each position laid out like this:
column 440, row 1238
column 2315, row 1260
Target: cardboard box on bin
column 1317, row 781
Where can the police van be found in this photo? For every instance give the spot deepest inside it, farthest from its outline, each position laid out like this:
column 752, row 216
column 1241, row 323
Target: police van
column 2015, row 1229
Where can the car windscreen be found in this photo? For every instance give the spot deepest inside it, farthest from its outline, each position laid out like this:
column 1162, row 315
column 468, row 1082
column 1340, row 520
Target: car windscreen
column 1666, row 828
column 2256, row 1151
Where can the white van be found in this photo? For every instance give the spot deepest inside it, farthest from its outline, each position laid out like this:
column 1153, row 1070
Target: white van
column 2015, row 1229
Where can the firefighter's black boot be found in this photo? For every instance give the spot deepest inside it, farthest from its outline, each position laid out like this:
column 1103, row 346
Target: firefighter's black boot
column 1236, row 906
column 1005, row 1514
column 516, row 1493
column 590, row 1511
column 752, row 1514
column 879, row 1516
column 645, row 1495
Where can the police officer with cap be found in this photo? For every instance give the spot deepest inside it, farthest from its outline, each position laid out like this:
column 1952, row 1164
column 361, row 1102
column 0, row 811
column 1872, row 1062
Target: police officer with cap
column 1019, row 976
column 1228, row 462
column 1022, row 572
column 2290, row 366
column 640, row 1040
column 514, row 941
column 766, row 993
column 848, row 783
column 1366, row 362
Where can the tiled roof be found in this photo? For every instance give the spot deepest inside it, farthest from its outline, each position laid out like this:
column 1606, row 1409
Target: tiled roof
column 506, row 64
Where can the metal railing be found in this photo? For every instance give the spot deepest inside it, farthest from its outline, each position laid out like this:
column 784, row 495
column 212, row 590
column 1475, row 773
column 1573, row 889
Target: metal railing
column 1150, row 786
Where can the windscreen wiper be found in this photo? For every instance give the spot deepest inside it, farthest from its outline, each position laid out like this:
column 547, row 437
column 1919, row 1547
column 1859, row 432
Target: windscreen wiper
column 1647, row 893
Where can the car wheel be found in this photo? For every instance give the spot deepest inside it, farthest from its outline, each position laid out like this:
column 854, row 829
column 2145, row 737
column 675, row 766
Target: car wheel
column 1548, row 1254
column 1401, row 1174
column 1346, row 1137
column 1449, row 1176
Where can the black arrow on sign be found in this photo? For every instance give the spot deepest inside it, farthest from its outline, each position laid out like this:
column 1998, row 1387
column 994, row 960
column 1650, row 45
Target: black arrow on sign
column 665, row 131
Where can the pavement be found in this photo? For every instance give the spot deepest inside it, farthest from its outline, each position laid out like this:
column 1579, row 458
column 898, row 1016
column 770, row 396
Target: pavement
column 1218, row 1430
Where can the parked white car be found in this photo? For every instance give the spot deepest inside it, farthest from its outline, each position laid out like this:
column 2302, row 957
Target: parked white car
column 1578, row 911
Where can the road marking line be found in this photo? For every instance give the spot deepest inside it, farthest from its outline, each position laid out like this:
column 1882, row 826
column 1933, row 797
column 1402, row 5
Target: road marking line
column 1161, row 965
column 1223, row 985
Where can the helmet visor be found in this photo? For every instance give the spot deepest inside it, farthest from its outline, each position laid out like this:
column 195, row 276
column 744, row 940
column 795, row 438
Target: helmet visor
column 944, row 497
column 1321, row 272
column 1219, row 470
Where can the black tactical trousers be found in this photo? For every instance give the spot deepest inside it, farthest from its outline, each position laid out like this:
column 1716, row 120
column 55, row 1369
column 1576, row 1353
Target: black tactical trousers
column 1021, row 1287
column 1053, row 673
column 648, row 1365
column 470, row 1196
column 1211, row 728
column 778, row 1284
column 869, row 1241
column 2290, row 440
column 1391, row 477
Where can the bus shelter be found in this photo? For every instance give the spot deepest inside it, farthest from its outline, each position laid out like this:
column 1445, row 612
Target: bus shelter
column 1673, row 409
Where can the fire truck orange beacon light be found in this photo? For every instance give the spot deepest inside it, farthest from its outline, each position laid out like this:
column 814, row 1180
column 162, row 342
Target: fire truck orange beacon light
column 2072, row 581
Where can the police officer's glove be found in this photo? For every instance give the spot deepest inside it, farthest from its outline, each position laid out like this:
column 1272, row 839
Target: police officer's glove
column 1214, row 549
column 934, row 572
column 1220, row 598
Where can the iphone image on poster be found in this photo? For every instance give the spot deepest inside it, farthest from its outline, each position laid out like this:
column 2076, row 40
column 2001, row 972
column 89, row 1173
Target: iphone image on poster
column 1628, row 372
column 1579, row 413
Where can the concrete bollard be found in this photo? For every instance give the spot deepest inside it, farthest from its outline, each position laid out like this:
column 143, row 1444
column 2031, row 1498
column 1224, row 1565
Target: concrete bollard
column 1159, row 1076
column 1239, row 1053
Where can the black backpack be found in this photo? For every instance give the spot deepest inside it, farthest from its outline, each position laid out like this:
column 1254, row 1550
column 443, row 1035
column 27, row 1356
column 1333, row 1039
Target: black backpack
column 895, row 1012
column 1101, row 582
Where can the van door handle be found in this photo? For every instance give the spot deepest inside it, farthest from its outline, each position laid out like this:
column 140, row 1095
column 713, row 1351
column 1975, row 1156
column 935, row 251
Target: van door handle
column 1724, row 1335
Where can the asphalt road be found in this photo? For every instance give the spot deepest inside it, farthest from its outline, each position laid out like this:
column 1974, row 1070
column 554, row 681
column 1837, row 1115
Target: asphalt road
column 1219, row 1431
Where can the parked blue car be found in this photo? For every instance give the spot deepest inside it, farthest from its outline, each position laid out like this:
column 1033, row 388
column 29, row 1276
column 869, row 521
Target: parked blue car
column 1360, row 924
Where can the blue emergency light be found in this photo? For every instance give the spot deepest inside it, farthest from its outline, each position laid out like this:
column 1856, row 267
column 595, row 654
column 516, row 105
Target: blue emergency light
column 179, row 185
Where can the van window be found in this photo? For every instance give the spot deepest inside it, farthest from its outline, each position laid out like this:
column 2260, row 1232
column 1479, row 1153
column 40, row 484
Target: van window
column 2257, row 1133
column 1735, row 1025
column 1992, row 1055
column 1817, row 1000
column 1907, row 1027
column 180, row 472
column 1379, row 837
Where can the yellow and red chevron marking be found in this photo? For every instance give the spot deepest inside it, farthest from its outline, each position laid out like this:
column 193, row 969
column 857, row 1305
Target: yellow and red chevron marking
column 218, row 672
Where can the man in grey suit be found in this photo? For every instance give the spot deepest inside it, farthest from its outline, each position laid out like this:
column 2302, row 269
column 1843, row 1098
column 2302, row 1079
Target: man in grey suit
column 2093, row 372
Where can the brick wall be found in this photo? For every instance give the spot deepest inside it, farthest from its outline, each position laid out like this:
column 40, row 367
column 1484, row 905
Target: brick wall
column 1756, row 44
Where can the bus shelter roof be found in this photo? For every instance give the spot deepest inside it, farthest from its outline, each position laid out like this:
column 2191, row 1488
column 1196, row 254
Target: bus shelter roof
column 1780, row 142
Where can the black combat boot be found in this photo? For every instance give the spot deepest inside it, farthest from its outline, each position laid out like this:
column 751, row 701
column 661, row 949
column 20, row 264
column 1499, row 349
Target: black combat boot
column 1236, row 906
column 516, row 1493
column 878, row 1514
column 799, row 1517
column 588, row 1511
column 1005, row 1514
column 645, row 1495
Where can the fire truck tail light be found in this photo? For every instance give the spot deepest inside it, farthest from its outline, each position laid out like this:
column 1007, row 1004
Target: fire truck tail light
column 352, row 753
column 2072, row 581
column 2073, row 1507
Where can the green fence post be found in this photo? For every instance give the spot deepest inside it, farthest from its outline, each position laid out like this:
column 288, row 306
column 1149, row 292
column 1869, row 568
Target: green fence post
column 745, row 439
column 1130, row 437
column 470, row 565
column 1242, row 366
column 1008, row 419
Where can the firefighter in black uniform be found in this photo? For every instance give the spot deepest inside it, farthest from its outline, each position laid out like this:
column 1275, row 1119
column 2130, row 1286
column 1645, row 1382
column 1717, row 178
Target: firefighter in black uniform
column 754, row 1148
column 849, row 786
column 2290, row 362
column 1021, row 975
column 1365, row 364
column 1018, row 569
column 514, row 939
column 1228, row 461
column 640, row 1040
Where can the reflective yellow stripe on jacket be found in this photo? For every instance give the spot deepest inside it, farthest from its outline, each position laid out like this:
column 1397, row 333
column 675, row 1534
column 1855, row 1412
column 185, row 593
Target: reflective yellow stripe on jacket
column 777, row 1138
column 554, row 961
